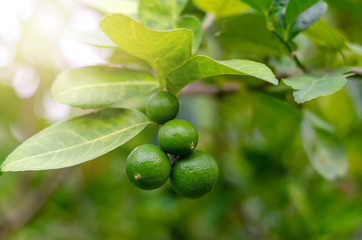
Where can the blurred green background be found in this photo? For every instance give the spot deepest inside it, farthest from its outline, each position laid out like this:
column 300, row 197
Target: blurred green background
column 267, row 187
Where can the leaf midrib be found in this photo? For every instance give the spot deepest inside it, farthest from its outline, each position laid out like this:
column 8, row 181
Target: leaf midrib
column 78, row 145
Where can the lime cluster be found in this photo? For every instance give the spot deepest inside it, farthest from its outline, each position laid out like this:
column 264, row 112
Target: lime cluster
column 193, row 173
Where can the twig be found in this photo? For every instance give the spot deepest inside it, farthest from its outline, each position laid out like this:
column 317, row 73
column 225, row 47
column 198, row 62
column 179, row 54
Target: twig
column 31, row 205
column 292, row 53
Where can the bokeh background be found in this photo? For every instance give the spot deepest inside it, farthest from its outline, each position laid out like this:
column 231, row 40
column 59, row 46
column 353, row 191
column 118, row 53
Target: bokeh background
column 267, row 187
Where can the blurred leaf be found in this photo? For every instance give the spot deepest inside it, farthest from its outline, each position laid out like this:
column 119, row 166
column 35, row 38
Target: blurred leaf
column 99, row 86
column 248, row 34
column 295, row 8
column 354, row 88
column 221, row 8
column 333, row 106
column 277, row 121
column 194, row 25
column 8, row 112
column 355, row 48
column 316, row 84
column 323, row 147
column 127, row 7
column 201, row 66
column 260, row 5
column 160, row 14
column 276, row 20
column 307, row 18
column 77, row 140
column 91, row 37
column 164, row 51
column 122, row 57
column 321, row 33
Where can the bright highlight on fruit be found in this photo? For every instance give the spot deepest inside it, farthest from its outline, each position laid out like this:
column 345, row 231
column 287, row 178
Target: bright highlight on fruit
column 193, row 173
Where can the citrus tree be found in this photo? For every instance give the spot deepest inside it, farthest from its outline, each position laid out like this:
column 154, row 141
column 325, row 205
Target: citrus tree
column 273, row 87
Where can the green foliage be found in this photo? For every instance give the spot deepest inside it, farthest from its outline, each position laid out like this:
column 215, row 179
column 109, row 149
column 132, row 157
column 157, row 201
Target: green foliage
column 164, row 51
column 160, row 14
column 316, row 84
column 288, row 153
column 194, row 25
column 323, row 147
column 99, row 86
column 246, row 34
column 76, row 141
column 221, row 8
column 260, row 5
column 199, row 67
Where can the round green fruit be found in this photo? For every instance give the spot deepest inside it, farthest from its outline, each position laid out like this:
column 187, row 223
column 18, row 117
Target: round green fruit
column 148, row 167
column 161, row 107
column 178, row 137
column 194, row 175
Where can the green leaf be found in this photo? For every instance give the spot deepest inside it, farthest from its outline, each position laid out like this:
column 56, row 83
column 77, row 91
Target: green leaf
column 323, row 147
column 201, row 66
column 294, row 8
column 260, row 5
column 92, row 37
column 313, row 85
column 121, row 57
column 285, row 119
column 248, row 34
column 194, row 25
column 322, row 34
column 163, row 50
column 99, row 86
column 307, row 18
column 356, row 48
column 127, row 7
column 221, row 8
column 76, row 141
column 160, row 14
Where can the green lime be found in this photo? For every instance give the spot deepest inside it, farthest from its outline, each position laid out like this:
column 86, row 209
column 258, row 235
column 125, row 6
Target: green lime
column 148, row 167
column 161, row 107
column 178, row 137
column 194, row 175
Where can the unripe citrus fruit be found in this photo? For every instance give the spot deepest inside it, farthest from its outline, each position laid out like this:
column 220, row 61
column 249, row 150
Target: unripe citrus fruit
column 178, row 137
column 194, row 175
column 148, row 167
column 161, row 107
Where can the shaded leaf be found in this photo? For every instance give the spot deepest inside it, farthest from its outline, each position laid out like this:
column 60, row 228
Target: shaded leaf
column 323, row 147
column 221, row 8
column 321, row 33
column 194, row 25
column 77, row 140
column 307, row 18
column 294, row 8
column 163, row 50
column 99, row 86
column 312, row 85
column 160, row 14
column 201, row 66
column 248, row 34
column 356, row 48
column 277, row 121
column 126, row 59
column 260, row 5
column 92, row 37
